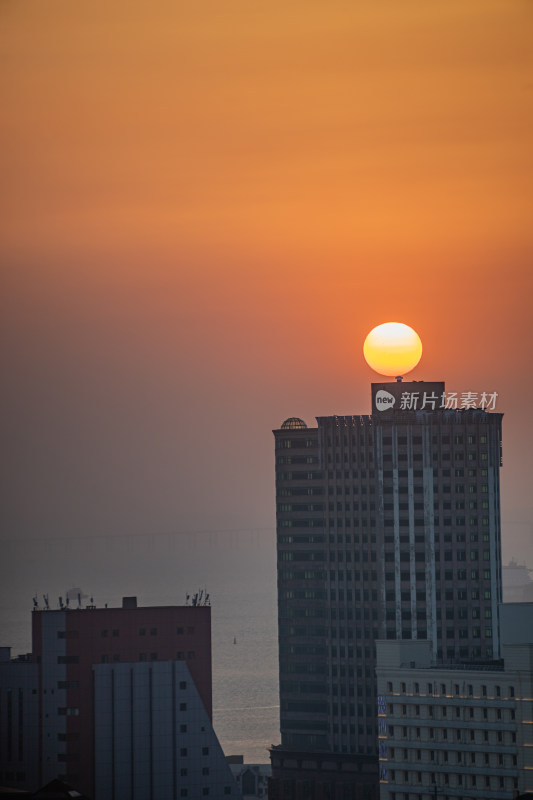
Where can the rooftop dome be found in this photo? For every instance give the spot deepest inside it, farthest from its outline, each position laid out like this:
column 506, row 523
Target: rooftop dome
column 293, row 423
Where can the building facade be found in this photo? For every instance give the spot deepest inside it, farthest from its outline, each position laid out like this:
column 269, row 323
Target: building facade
column 153, row 736
column 456, row 732
column 19, row 714
column 388, row 526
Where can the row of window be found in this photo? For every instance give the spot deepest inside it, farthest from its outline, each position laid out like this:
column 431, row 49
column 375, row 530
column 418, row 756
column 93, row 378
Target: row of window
column 300, row 476
column 357, row 457
column 300, row 491
column 463, row 612
column 446, row 734
column 446, row 505
column 476, row 758
column 404, row 522
column 350, row 474
column 418, row 456
column 452, row 689
column 457, row 712
column 448, row 575
column 297, row 460
column 115, row 632
column 456, row 779
column 445, row 438
column 115, row 657
column 299, row 444
column 341, row 575
column 459, row 488
column 450, row 595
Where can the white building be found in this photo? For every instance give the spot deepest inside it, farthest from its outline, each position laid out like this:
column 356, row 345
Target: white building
column 456, row 731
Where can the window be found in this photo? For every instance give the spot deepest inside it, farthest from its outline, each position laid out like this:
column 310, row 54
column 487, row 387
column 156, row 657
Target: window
column 205, row 751
column 183, row 684
column 183, row 706
column 183, row 751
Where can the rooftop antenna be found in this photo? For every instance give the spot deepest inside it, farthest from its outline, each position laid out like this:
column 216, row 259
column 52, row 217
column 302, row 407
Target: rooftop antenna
column 35, row 603
column 45, row 598
column 61, row 604
column 79, row 599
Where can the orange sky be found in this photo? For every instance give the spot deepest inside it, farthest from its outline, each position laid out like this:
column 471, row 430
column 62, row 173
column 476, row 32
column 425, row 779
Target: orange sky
column 206, row 207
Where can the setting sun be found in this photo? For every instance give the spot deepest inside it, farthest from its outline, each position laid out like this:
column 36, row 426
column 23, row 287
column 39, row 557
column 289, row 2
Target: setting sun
column 392, row 348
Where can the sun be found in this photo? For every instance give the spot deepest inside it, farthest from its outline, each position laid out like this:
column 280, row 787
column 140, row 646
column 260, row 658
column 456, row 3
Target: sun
column 392, row 348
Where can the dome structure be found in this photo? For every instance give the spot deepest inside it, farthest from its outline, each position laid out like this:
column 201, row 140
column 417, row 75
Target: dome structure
column 293, row 424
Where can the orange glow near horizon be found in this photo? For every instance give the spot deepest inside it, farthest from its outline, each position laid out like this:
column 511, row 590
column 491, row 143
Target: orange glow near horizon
column 206, row 207
column 392, row 349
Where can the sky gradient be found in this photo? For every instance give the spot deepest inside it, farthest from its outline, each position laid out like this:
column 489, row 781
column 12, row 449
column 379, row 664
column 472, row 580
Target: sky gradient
column 206, row 207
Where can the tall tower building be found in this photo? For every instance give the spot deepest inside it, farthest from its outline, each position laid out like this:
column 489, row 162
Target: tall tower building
column 388, row 526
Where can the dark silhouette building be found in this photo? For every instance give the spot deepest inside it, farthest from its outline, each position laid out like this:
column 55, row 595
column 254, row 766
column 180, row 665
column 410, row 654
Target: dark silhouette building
column 388, row 526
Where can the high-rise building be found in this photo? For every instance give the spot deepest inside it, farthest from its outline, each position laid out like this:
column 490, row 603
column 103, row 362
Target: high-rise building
column 388, row 526
column 120, row 701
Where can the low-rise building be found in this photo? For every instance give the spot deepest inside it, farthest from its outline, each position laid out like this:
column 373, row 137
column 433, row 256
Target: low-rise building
column 252, row 779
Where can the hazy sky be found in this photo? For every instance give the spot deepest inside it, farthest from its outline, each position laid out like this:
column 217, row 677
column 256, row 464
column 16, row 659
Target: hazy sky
column 205, row 208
